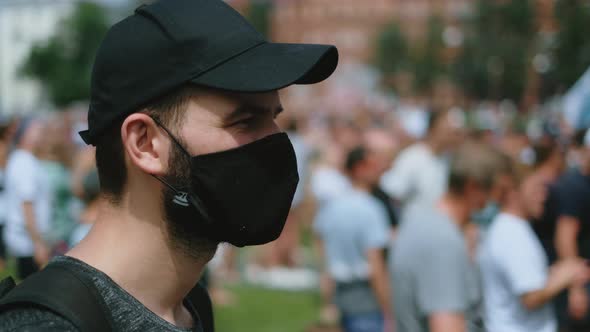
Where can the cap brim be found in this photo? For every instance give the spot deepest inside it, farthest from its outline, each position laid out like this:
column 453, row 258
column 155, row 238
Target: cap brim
column 272, row 66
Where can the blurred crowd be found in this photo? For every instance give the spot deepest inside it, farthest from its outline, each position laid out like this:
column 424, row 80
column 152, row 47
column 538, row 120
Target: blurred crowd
column 415, row 218
column 445, row 219
column 50, row 189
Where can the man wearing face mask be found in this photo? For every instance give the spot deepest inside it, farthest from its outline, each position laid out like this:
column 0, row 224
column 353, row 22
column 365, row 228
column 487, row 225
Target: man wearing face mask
column 182, row 114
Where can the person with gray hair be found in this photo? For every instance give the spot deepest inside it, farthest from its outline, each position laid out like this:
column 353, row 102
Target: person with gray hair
column 435, row 283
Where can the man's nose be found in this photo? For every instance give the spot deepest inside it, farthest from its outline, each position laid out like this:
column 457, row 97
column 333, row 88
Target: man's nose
column 270, row 129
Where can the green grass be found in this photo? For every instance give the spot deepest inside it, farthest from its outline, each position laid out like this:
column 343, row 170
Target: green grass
column 9, row 270
column 261, row 310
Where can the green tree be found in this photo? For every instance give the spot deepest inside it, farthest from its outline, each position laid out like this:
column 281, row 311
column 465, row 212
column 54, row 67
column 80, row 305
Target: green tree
column 423, row 60
column 259, row 16
column 494, row 61
column 63, row 63
column 572, row 50
column 392, row 53
column 427, row 63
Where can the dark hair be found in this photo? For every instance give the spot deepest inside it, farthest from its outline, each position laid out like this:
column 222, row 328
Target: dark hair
column 21, row 129
column 6, row 127
column 4, row 131
column 292, row 125
column 110, row 153
column 434, row 117
column 578, row 139
column 544, row 150
column 354, row 157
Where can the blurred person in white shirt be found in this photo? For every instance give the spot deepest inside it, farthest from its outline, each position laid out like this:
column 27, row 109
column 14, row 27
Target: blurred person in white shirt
column 418, row 176
column 384, row 147
column 28, row 201
column 518, row 284
column 328, row 182
column 328, row 179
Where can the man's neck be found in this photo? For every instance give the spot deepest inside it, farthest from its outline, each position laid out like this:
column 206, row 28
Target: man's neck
column 25, row 148
column 549, row 172
column 433, row 144
column 3, row 154
column 129, row 245
column 90, row 213
column 361, row 186
column 516, row 211
column 584, row 170
column 456, row 208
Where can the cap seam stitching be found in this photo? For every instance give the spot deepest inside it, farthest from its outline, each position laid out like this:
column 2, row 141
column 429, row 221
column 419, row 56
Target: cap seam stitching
column 143, row 11
column 228, row 59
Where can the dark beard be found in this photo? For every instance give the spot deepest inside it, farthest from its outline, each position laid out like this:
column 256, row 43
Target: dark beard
column 184, row 228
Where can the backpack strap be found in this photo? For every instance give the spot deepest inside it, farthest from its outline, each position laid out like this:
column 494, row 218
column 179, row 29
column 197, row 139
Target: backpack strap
column 62, row 290
column 199, row 298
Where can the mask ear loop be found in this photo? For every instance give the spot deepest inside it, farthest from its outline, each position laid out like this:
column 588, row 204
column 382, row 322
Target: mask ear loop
column 182, row 198
column 171, row 137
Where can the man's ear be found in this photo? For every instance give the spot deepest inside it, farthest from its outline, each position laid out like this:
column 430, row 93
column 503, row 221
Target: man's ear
column 145, row 144
column 472, row 187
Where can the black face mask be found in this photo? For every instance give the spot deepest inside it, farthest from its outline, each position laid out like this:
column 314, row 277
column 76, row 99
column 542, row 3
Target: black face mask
column 243, row 195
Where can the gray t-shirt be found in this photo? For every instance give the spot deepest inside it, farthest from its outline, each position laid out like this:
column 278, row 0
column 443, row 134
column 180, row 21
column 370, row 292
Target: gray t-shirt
column 432, row 272
column 128, row 314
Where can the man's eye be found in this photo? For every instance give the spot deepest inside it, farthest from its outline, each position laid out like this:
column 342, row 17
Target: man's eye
column 246, row 122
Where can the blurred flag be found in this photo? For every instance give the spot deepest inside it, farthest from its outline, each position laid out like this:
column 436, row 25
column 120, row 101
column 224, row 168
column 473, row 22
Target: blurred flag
column 576, row 103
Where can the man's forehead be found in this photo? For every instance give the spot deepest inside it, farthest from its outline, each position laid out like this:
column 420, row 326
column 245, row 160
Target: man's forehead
column 214, row 98
column 226, row 106
column 379, row 139
column 266, row 100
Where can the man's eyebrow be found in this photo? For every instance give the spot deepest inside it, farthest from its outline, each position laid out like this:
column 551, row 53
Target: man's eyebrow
column 247, row 109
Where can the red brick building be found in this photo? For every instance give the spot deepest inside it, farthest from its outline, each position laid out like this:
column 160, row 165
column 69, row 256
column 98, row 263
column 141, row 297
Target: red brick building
column 353, row 25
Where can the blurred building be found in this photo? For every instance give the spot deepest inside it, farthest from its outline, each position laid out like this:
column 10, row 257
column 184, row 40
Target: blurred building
column 545, row 10
column 353, row 25
column 22, row 24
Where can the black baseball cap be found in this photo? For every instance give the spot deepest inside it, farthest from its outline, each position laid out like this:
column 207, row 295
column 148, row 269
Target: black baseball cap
column 206, row 42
